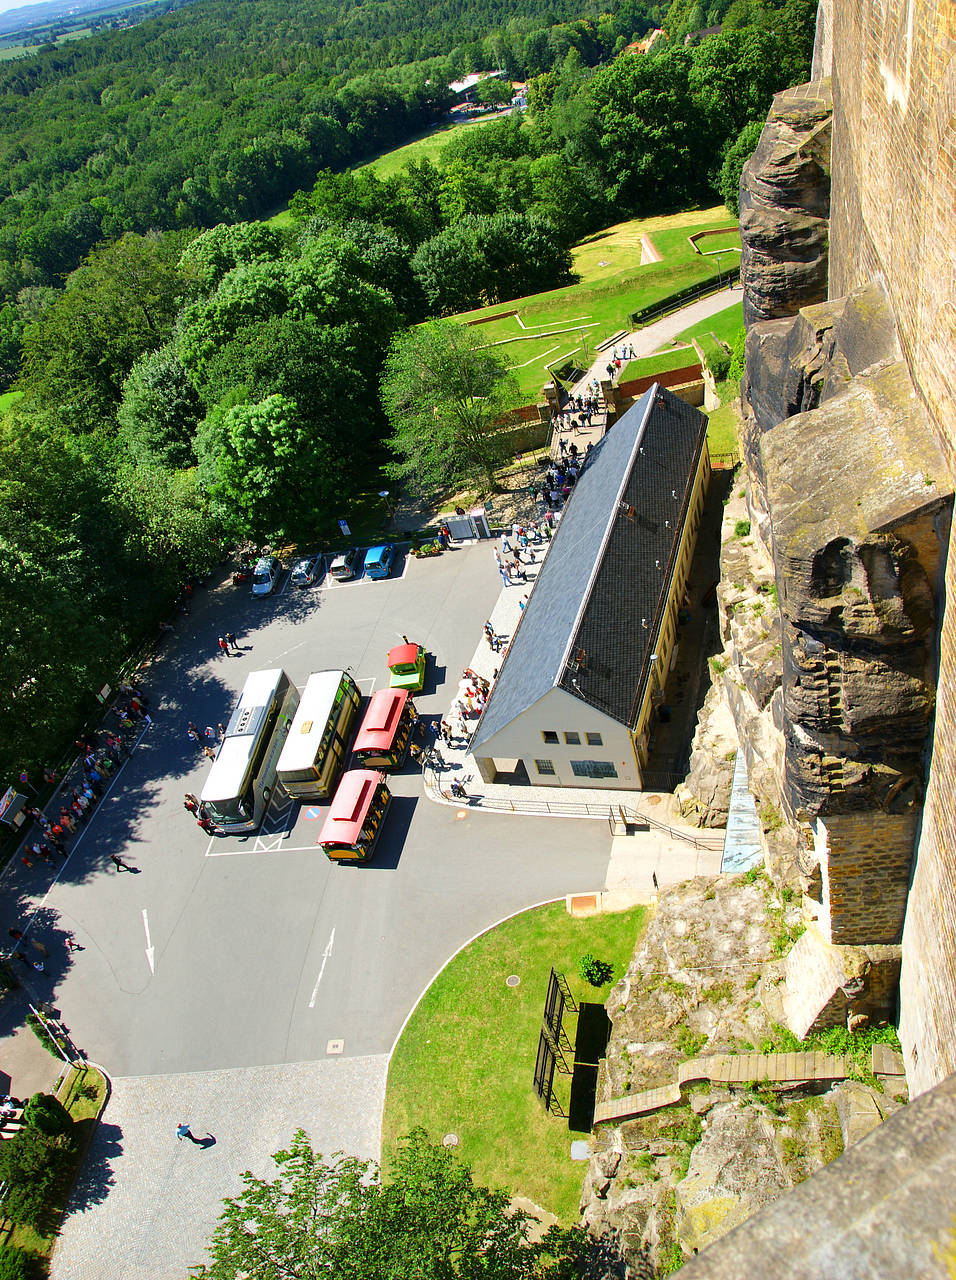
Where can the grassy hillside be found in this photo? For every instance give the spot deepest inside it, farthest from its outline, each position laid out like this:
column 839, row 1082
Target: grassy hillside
column 427, row 147
column 548, row 328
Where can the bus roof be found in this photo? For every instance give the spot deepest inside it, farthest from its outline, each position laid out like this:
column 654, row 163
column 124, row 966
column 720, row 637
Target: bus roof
column 381, row 720
column 353, row 796
column 232, row 759
column 308, row 726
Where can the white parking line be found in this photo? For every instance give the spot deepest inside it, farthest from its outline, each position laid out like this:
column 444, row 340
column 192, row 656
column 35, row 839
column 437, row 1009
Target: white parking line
column 325, row 956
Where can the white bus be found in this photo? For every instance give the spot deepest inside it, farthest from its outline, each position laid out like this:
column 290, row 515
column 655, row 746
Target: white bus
column 243, row 775
column 318, row 742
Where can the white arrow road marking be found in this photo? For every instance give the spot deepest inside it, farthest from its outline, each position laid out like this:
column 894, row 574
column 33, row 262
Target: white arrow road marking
column 325, row 956
column 150, row 949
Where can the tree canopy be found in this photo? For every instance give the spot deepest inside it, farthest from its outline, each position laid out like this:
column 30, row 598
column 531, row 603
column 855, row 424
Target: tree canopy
column 446, row 398
column 337, row 1219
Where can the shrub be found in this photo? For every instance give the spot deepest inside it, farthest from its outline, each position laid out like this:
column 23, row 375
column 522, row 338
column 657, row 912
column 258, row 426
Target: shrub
column 596, row 972
column 738, row 356
column 16, row 1264
column 33, row 1165
column 741, row 528
column 46, row 1113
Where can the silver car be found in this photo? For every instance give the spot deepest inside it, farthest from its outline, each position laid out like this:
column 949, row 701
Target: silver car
column 308, row 571
column 265, row 576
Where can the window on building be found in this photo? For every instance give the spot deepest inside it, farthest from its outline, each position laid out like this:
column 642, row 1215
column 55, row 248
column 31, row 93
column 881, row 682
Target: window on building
column 593, row 769
column 549, row 735
column 572, row 739
column 594, row 740
column 544, row 766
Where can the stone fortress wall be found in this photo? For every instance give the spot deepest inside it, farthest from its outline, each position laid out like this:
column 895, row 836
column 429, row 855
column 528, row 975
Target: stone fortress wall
column 848, row 209
column 893, row 217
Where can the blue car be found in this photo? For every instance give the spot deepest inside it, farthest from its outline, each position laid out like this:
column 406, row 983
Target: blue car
column 378, row 561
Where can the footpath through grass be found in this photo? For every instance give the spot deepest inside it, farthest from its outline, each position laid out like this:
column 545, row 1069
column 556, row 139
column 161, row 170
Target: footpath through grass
column 465, row 1062
column 567, row 324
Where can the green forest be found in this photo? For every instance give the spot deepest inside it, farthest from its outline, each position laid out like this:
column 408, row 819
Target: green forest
column 192, row 375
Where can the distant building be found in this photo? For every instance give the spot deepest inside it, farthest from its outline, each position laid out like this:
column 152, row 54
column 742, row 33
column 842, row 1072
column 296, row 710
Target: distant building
column 581, row 684
column 464, row 89
column 695, row 37
column 642, row 46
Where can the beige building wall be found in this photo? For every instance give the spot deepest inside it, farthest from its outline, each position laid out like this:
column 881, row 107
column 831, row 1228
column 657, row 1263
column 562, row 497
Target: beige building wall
column 563, row 715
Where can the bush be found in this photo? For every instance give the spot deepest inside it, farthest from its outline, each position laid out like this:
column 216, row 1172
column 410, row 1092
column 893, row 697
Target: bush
column 735, row 157
column 741, row 528
column 596, row 972
column 46, row 1113
column 15, row 1264
column 33, row 1165
column 738, row 356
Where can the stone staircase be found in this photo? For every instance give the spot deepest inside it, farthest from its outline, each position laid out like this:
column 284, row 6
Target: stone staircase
column 725, row 1069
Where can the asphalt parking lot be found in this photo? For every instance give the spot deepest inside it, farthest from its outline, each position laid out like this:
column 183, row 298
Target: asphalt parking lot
column 237, row 953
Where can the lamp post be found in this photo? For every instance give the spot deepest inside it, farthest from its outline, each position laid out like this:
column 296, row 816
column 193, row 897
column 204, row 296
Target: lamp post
column 383, row 494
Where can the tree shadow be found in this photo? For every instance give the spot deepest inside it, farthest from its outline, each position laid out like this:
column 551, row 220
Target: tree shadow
column 95, row 1178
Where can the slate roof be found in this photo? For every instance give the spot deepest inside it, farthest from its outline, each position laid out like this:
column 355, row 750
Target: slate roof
column 606, row 571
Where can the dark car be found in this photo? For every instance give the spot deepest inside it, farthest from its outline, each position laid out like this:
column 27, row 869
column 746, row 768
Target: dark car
column 348, row 565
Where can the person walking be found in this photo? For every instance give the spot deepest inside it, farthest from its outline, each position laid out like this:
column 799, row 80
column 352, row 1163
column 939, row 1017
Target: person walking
column 72, row 944
column 119, row 864
column 209, row 753
column 224, row 647
column 190, row 803
column 232, row 642
column 184, row 1131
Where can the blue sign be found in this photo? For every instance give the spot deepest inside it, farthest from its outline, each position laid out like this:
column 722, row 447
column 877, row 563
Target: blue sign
column 312, row 812
column 345, row 528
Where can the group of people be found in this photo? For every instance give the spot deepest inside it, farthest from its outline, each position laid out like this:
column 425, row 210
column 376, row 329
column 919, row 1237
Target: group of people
column 192, row 804
column 228, row 645
column 579, row 411
column 99, row 758
column 206, row 739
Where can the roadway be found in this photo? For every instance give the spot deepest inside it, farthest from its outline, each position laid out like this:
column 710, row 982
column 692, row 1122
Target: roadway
column 222, row 953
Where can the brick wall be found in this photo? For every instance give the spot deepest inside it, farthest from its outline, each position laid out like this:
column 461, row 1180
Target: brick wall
column 865, row 867
column 892, row 212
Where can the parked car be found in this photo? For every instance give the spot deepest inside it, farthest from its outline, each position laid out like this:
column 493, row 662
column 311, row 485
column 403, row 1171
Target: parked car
column 348, row 565
column 265, row 576
column 308, row 571
column 378, row 561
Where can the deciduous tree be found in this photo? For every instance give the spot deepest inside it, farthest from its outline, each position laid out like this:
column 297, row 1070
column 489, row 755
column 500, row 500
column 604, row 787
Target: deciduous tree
column 446, row 398
column 335, row 1219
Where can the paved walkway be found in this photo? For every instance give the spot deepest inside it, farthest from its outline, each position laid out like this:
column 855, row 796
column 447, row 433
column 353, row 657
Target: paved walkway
column 145, row 1201
column 725, row 1068
column 644, row 343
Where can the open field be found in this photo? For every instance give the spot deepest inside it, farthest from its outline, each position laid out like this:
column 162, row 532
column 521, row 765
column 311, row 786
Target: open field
column 727, row 242
column 661, row 362
column 724, row 326
column 427, row 147
column 464, row 1064
column 569, row 322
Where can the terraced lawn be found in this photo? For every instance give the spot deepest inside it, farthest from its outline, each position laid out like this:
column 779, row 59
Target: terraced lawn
column 567, row 323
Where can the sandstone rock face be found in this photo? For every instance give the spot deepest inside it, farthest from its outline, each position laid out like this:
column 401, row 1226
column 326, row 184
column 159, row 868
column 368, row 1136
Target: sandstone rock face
column 686, row 1174
column 858, row 495
column 735, row 1170
column 785, row 206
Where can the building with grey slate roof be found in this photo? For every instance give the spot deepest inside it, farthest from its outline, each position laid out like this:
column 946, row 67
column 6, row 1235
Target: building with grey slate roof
column 584, row 674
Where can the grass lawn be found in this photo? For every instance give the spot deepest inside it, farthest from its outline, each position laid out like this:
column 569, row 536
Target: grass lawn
column 727, row 241
column 427, row 147
column 465, row 1061
column 8, row 399
column 723, row 422
column 724, row 326
column 567, row 322
column 661, row 362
